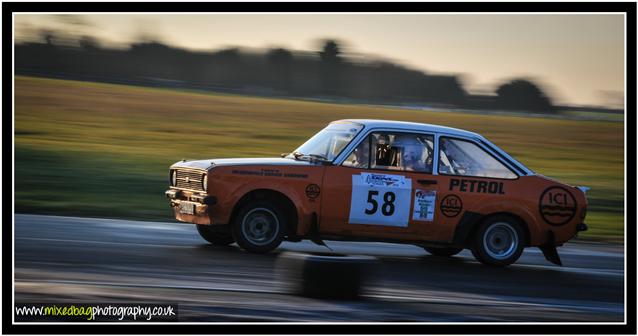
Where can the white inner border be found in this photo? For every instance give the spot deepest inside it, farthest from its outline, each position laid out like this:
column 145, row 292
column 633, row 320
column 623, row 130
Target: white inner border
column 316, row 13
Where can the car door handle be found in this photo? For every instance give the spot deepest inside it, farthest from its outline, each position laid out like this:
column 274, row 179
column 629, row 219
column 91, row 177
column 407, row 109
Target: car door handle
column 425, row 182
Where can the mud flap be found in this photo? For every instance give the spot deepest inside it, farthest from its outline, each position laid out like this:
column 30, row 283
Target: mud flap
column 551, row 254
column 313, row 233
column 549, row 250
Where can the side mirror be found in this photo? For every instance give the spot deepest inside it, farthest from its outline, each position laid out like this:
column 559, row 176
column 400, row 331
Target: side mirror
column 283, row 154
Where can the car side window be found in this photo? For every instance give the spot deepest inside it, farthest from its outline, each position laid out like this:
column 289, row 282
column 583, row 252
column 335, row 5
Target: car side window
column 360, row 156
column 465, row 158
column 401, row 151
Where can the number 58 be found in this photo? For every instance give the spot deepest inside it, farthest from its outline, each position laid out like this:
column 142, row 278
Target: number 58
column 387, row 209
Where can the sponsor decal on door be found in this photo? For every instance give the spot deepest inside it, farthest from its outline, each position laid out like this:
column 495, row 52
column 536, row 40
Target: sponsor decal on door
column 424, row 203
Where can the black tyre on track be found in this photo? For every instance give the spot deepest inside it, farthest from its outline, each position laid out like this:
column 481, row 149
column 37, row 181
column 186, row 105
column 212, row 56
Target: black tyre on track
column 323, row 275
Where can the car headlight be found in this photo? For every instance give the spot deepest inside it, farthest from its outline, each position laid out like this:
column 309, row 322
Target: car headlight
column 205, row 182
column 173, row 180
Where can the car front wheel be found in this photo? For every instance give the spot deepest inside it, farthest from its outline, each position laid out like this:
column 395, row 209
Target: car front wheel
column 499, row 241
column 259, row 227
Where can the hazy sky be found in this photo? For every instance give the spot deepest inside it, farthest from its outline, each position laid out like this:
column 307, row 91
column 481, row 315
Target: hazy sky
column 578, row 59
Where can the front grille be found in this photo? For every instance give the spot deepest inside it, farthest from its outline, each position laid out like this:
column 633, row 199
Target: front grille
column 189, row 179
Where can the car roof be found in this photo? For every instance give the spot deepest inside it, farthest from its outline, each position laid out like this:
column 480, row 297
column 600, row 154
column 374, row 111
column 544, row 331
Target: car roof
column 419, row 127
column 412, row 126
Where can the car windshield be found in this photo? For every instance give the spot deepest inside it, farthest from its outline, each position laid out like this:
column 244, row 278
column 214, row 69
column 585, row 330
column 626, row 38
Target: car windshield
column 329, row 142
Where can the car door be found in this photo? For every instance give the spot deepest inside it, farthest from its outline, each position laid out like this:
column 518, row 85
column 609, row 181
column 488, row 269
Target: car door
column 384, row 189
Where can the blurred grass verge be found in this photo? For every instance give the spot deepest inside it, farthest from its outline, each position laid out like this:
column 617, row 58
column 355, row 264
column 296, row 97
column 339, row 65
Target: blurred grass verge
column 91, row 149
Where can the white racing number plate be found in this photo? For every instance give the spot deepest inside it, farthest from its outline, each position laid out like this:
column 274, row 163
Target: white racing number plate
column 380, row 199
column 187, row 208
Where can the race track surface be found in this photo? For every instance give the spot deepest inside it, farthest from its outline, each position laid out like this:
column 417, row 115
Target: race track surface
column 88, row 260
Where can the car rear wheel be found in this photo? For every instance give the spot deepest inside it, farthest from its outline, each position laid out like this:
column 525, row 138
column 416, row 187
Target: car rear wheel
column 259, row 227
column 442, row 251
column 218, row 235
column 499, row 241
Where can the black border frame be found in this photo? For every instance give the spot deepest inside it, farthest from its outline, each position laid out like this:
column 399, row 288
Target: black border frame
column 474, row 328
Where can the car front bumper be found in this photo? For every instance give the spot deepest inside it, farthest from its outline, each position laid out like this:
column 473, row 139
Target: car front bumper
column 191, row 207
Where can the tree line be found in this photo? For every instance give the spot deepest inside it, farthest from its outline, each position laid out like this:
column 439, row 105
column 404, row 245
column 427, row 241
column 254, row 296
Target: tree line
column 325, row 74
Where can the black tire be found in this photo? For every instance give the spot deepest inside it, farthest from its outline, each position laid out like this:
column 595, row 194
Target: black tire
column 325, row 276
column 218, row 235
column 499, row 241
column 443, row 251
column 259, row 226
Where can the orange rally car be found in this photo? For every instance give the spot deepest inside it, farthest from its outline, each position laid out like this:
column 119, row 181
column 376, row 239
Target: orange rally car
column 441, row 188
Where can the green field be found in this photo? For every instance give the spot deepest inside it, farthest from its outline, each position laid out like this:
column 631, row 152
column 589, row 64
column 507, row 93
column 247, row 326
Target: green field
column 104, row 150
